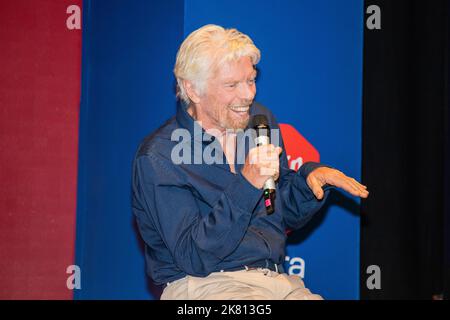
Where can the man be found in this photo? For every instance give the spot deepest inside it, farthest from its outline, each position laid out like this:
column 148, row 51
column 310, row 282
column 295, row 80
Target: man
column 205, row 226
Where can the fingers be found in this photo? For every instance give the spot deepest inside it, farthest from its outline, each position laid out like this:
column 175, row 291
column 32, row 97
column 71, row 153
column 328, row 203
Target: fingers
column 265, row 153
column 358, row 184
column 261, row 163
column 270, row 168
column 348, row 184
column 266, row 158
column 270, row 172
column 359, row 190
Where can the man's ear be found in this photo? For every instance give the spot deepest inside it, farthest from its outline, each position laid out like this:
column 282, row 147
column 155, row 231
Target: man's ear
column 191, row 91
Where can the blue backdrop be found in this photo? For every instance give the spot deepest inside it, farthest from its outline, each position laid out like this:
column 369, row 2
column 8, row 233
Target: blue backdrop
column 310, row 76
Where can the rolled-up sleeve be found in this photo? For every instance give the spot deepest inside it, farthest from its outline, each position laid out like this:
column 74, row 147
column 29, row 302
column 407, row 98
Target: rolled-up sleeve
column 299, row 202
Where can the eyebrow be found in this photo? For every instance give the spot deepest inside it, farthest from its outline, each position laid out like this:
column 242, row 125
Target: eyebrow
column 232, row 80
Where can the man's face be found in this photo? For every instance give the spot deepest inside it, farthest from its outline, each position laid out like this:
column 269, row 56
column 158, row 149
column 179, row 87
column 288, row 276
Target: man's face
column 229, row 94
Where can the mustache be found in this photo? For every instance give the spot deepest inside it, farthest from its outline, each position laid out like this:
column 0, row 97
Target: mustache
column 244, row 104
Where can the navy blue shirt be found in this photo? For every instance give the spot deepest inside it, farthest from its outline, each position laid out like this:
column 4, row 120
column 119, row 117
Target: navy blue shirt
column 196, row 219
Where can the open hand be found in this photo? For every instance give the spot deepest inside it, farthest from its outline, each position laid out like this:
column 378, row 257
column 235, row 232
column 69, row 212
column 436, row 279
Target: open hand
column 324, row 175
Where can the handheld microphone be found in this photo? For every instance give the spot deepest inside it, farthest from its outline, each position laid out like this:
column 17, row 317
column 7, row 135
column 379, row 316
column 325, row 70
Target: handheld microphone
column 261, row 126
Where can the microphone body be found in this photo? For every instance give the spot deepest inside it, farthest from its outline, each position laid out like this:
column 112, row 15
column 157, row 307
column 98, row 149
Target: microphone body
column 261, row 126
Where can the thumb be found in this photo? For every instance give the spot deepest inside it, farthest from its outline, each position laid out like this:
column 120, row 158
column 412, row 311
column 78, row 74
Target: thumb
column 279, row 150
column 316, row 188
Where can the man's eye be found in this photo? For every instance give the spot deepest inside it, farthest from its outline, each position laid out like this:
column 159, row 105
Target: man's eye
column 252, row 81
column 231, row 85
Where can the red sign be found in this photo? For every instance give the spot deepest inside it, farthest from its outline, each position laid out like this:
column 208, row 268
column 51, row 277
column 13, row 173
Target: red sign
column 298, row 149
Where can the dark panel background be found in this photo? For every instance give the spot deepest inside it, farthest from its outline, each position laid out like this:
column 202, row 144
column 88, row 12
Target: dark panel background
column 405, row 101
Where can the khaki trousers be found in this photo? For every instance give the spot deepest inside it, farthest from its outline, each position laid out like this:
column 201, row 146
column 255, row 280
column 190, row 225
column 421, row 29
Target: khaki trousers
column 255, row 284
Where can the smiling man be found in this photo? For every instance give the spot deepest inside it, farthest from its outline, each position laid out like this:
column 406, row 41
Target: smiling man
column 226, row 103
column 205, row 226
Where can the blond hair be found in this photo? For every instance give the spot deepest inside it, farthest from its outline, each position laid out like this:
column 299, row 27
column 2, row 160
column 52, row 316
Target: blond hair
column 207, row 48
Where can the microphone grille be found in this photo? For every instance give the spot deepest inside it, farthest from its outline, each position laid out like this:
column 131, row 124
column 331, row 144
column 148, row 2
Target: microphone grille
column 258, row 121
